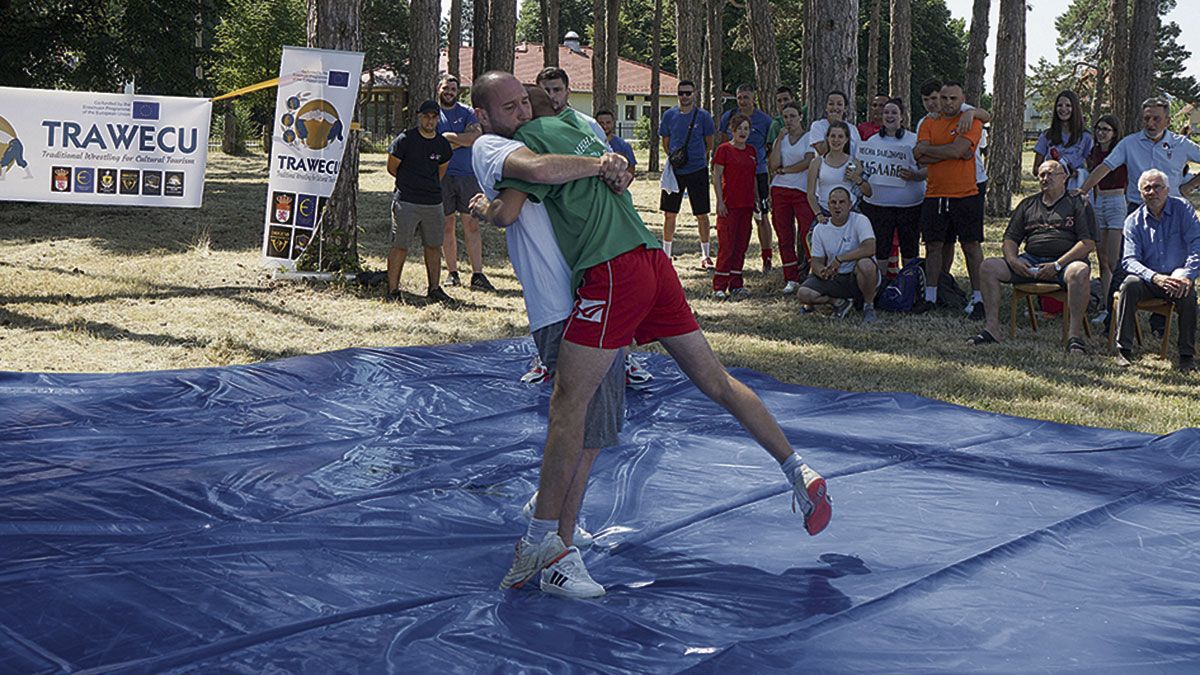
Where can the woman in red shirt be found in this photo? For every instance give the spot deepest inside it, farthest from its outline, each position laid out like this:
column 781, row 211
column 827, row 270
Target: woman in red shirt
column 734, row 165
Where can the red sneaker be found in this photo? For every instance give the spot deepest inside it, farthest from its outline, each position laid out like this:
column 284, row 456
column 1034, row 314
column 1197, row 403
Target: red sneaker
column 811, row 493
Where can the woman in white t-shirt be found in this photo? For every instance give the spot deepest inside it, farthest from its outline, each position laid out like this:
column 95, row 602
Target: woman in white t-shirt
column 790, row 211
column 836, row 169
column 897, row 185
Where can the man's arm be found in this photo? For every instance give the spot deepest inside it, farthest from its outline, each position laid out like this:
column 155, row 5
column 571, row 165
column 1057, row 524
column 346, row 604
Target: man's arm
column 442, row 170
column 527, row 165
column 1080, row 251
column 393, row 164
column 465, row 138
column 1009, row 249
column 1130, row 259
column 928, row 153
column 501, row 211
column 866, row 249
column 708, row 147
column 666, row 142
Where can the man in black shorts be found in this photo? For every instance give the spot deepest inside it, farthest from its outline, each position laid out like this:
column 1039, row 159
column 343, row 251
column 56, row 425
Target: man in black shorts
column 688, row 126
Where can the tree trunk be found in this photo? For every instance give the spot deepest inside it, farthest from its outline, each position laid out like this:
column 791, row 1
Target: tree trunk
column 655, row 84
column 454, row 39
column 550, row 36
column 688, row 35
column 977, row 51
column 1118, row 49
column 229, row 136
column 479, row 37
column 873, row 52
column 424, row 27
column 716, row 45
column 1008, row 88
column 808, row 62
column 834, row 60
column 766, row 56
column 334, row 24
column 900, row 63
column 1143, row 30
column 502, row 42
column 611, row 54
column 600, row 96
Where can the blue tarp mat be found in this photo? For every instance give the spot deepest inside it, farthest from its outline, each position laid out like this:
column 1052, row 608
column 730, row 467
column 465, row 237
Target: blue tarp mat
column 354, row 511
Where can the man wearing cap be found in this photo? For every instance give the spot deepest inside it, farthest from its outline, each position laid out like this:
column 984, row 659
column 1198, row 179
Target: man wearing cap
column 418, row 158
column 457, row 124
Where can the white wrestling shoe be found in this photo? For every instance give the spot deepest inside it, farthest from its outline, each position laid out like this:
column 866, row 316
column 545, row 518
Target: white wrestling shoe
column 583, row 538
column 569, row 578
column 529, row 560
column 811, row 493
column 636, row 375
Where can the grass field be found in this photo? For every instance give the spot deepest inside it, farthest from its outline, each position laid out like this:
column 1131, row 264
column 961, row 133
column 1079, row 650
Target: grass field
column 90, row 289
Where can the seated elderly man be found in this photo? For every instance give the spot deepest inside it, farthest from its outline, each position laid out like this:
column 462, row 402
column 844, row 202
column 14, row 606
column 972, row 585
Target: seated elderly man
column 843, row 267
column 1058, row 231
column 1162, row 257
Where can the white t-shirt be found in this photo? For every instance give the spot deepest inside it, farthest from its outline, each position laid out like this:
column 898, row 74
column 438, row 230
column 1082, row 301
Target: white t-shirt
column 789, row 154
column 830, row 177
column 817, row 132
column 882, row 159
column 830, row 241
column 532, row 248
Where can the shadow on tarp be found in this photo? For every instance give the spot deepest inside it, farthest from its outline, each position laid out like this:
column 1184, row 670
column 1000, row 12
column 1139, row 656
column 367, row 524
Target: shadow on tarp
column 355, row 511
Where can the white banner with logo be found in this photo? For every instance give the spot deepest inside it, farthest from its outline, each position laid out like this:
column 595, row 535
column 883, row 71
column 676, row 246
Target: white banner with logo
column 313, row 110
column 71, row 147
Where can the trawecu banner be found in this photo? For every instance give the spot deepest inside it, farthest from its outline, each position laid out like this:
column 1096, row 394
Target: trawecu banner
column 313, row 111
column 71, row 147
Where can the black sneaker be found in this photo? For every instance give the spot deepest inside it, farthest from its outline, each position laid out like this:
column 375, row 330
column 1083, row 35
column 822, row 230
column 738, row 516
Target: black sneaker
column 439, row 295
column 1187, row 364
column 480, row 281
column 921, row 306
column 977, row 313
column 453, row 280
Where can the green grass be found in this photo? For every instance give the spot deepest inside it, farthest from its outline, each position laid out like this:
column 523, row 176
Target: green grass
column 90, row 289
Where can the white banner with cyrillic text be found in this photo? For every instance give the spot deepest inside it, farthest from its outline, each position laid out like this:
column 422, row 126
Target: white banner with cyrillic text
column 313, row 110
column 72, row 147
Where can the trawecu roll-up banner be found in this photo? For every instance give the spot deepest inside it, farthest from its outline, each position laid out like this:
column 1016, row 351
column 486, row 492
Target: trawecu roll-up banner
column 71, row 147
column 313, row 111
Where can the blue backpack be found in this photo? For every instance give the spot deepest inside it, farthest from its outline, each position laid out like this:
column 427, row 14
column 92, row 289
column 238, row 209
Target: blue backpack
column 901, row 293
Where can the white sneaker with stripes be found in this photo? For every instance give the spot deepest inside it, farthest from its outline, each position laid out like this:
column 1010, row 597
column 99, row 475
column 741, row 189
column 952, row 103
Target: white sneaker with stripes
column 569, row 578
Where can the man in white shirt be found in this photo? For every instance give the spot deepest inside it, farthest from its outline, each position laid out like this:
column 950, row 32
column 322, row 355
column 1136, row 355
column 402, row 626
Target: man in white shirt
column 843, row 261
column 546, row 281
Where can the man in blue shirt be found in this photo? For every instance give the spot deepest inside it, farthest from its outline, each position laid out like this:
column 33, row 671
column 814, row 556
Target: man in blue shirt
column 1155, row 147
column 760, row 127
column 1162, row 257
column 687, row 124
column 608, row 122
column 457, row 124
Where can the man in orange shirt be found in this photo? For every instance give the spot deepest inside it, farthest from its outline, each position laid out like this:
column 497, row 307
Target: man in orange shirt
column 952, row 200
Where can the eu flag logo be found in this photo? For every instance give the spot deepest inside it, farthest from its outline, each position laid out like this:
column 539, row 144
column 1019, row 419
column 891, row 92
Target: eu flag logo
column 339, row 78
column 145, row 110
column 306, row 210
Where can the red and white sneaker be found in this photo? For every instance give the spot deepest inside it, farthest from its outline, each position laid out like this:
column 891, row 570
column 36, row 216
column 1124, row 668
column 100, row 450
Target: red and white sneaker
column 810, row 492
column 528, row 560
column 636, row 375
column 537, row 372
column 706, row 264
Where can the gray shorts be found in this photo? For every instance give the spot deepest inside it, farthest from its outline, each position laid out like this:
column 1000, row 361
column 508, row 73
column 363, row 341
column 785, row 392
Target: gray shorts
column 409, row 218
column 842, row 285
column 457, row 192
column 606, row 411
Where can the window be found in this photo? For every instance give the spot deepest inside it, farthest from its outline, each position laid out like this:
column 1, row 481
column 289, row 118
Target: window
column 630, row 113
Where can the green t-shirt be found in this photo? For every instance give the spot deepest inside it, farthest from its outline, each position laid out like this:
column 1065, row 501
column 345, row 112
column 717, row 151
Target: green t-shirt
column 591, row 223
column 773, row 132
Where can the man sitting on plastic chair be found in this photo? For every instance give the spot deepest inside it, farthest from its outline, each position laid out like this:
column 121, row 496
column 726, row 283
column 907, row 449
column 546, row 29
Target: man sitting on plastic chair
column 1057, row 230
column 1162, row 257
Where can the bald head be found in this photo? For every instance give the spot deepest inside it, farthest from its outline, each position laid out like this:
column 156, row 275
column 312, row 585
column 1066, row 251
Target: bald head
column 539, row 101
column 501, row 103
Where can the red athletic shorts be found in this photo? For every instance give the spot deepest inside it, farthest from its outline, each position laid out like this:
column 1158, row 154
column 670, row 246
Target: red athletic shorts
column 634, row 296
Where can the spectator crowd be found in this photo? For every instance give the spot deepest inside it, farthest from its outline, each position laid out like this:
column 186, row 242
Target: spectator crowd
column 841, row 200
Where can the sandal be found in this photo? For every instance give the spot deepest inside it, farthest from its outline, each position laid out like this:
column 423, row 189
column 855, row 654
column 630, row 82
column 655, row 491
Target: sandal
column 1076, row 346
column 983, row 338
